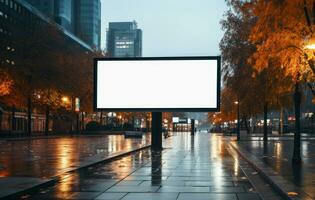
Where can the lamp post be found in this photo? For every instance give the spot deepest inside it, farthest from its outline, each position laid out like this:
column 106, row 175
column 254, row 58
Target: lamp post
column 119, row 120
column 237, row 103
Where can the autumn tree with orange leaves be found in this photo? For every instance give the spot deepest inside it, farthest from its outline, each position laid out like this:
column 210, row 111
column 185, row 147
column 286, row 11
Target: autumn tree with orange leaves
column 5, row 83
column 255, row 90
column 281, row 39
column 284, row 31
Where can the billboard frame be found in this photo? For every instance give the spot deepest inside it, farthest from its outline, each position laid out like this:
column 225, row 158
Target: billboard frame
column 217, row 109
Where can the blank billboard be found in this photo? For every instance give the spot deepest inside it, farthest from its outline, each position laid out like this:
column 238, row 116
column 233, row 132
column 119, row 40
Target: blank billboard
column 157, row 84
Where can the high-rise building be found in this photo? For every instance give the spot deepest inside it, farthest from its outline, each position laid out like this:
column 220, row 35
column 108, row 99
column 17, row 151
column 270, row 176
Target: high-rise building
column 124, row 39
column 61, row 11
column 44, row 6
column 80, row 17
column 88, row 21
column 64, row 14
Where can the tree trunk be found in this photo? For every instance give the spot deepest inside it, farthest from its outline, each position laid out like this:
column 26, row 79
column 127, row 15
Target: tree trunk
column 82, row 121
column 29, row 116
column 281, row 121
column 265, row 122
column 246, row 125
column 133, row 122
column 1, row 114
column 238, row 123
column 13, row 119
column 297, row 135
column 312, row 124
column 47, row 120
column 78, row 123
column 254, row 124
column 101, row 119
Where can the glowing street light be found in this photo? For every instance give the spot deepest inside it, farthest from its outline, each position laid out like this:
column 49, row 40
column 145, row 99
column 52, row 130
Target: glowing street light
column 65, row 99
column 310, row 45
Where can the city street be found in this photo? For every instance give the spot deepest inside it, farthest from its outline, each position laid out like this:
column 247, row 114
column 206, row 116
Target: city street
column 157, row 100
column 200, row 167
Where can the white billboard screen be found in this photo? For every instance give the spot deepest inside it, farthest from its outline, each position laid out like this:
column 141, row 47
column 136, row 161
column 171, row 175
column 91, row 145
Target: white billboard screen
column 161, row 84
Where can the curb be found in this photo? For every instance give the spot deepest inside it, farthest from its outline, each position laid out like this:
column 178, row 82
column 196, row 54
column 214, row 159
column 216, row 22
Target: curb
column 53, row 180
column 274, row 180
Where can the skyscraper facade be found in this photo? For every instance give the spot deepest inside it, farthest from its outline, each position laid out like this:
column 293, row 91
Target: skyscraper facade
column 124, row 39
column 63, row 14
column 44, row 6
column 80, row 17
column 61, row 11
column 88, row 21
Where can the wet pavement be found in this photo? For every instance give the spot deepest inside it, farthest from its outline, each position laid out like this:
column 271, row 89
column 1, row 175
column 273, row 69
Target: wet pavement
column 45, row 158
column 277, row 155
column 199, row 167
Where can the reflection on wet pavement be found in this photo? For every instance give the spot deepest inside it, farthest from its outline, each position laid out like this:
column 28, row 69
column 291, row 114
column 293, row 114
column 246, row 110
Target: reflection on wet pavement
column 278, row 154
column 189, row 168
column 45, row 158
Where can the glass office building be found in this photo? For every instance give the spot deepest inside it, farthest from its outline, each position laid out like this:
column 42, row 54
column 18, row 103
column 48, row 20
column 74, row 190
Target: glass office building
column 124, row 39
column 80, row 17
column 88, row 21
column 61, row 11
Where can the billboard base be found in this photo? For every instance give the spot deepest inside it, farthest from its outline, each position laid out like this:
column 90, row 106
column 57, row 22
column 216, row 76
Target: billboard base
column 156, row 137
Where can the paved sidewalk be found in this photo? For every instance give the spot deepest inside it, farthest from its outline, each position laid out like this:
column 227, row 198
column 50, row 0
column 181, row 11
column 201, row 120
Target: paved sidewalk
column 26, row 164
column 275, row 158
column 190, row 168
column 44, row 158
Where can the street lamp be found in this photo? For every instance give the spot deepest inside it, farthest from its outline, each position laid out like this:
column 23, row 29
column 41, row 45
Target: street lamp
column 119, row 118
column 238, row 120
column 65, row 99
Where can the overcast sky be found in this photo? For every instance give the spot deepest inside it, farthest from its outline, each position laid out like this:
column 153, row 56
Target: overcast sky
column 170, row 27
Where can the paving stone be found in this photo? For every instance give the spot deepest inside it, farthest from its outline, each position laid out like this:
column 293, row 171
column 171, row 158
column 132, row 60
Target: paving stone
column 128, row 183
column 188, row 196
column 111, row 196
column 151, row 196
column 248, row 197
column 183, row 189
column 224, row 189
column 83, row 195
column 133, row 189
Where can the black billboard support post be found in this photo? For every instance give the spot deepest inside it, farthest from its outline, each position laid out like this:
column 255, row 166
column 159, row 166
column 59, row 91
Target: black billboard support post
column 156, row 137
column 192, row 125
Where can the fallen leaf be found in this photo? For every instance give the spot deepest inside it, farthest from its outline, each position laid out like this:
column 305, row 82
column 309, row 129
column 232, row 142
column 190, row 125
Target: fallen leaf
column 292, row 193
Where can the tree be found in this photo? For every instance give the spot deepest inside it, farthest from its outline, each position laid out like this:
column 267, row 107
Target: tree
column 34, row 68
column 5, row 83
column 255, row 90
column 50, row 99
column 283, row 31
